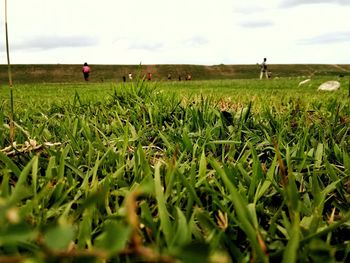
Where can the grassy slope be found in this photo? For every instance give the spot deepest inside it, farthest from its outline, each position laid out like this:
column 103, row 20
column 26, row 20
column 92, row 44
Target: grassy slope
column 72, row 73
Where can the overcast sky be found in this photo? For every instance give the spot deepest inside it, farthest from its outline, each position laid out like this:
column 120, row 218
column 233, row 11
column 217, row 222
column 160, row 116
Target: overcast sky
column 177, row 31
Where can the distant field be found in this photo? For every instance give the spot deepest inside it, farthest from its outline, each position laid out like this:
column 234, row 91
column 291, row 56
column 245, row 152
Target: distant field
column 237, row 92
column 102, row 73
column 224, row 170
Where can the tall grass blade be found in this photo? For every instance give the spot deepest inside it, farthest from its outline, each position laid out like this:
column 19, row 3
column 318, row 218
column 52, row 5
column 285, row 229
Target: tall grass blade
column 22, row 189
column 165, row 223
column 243, row 213
column 290, row 254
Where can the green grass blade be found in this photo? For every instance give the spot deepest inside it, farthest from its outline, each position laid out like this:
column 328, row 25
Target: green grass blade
column 242, row 213
column 10, row 164
column 21, row 189
column 290, row 253
column 165, row 223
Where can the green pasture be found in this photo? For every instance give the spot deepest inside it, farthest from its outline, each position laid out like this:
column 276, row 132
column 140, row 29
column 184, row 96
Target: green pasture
column 168, row 171
column 238, row 91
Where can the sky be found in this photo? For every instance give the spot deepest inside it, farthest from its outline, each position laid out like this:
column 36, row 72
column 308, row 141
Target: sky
column 204, row 32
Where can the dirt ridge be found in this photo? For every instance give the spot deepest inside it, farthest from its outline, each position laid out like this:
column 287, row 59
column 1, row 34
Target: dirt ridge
column 61, row 73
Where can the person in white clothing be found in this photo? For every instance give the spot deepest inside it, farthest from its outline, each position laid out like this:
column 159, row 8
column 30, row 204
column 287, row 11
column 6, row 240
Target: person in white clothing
column 263, row 69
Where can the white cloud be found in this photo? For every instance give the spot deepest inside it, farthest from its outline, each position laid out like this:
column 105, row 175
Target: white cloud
column 256, row 24
column 54, row 42
column 146, row 46
column 290, row 3
column 329, row 38
column 196, row 41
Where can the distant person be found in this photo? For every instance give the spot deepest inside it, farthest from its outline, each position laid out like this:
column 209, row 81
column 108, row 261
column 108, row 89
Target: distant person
column 189, row 77
column 149, row 76
column 263, row 69
column 86, row 71
column 124, row 79
column 179, row 77
column 169, row 76
column 130, row 76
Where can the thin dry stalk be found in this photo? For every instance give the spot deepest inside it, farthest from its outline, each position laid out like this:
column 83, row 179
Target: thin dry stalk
column 27, row 147
column 12, row 126
column 283, row 169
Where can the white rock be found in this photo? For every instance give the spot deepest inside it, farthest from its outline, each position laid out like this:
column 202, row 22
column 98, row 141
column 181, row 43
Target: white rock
column 303, row 82
column 329, row 85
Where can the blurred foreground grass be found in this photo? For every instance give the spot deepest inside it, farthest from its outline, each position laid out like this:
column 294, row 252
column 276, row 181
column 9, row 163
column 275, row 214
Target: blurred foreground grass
column 202, row 171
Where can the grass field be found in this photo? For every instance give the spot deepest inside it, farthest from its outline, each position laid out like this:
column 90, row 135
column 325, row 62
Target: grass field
column 197, row 171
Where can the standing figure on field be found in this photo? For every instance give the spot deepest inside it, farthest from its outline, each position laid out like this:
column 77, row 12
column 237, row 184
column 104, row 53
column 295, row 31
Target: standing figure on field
column 86, row 71
column 263, row 69
column 149, row 76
